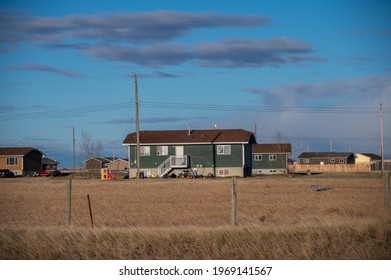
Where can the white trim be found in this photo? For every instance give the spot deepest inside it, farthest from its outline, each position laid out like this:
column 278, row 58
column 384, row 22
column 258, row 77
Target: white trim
column 271, row 153
column 258, row 155
column 186, row 143
column 243, row 156
column 223, row 152
column 129, row 160
column 272, row 157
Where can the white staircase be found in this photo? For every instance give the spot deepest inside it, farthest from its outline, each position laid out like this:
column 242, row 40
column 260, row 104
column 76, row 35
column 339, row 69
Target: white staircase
column 171, row 163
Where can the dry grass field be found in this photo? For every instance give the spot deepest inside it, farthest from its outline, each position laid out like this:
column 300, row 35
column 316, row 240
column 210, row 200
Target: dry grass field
column 278, row 218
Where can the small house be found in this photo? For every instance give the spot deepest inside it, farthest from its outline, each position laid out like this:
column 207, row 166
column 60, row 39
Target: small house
column 214, row 152
column 326, row 158
column 22, row 161
column 270, row 158
column 118, row 165
column 49, row 164
column 97, row 163
column 368, row 158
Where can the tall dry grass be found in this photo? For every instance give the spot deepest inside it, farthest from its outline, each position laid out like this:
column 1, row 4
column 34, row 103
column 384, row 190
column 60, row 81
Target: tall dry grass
column 357, row 241
column 278, row 217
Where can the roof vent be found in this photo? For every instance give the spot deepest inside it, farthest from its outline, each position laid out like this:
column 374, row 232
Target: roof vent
column 189, row 130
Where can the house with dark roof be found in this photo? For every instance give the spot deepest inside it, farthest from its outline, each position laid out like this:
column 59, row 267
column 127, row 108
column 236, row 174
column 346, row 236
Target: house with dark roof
column 368, row 158
column 217, row 152
column 270, row 158
column 49, row 164
column 326, row 158
column 97, row 163
column 21, row 161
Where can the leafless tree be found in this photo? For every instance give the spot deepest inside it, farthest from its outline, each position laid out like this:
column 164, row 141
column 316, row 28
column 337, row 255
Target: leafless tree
column 284, row 148
column 89, row 148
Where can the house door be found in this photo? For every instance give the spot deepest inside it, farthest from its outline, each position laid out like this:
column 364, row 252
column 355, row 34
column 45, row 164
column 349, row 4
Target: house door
column 179, row 150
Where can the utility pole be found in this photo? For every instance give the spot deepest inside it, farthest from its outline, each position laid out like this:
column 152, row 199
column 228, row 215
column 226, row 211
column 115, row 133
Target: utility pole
column 331, row 145
column 113, row 151
column 255, row 131
column 137, row 130
column 74, row 148
column 381, row 139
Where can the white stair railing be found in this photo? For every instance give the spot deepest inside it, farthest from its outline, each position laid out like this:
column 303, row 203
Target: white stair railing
column 173, row 162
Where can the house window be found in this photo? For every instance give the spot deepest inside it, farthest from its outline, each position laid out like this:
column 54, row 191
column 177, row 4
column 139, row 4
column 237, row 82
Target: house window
column 162, row 150
column 145, row 150
column 224, row 172
column 12, row 161
column 223, row 149
column 306, row 160
column 272, row 157
column 332, row 160
column 341, row 160
column 257, row 157
column 147, row 173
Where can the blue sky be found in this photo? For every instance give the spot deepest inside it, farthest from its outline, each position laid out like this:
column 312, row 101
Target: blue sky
column 317, row 71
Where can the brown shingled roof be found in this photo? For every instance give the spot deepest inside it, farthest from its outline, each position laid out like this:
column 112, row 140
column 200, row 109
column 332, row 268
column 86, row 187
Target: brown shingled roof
column 17, row 151
column 325, row 154
column 272, row 148
column 195, row 136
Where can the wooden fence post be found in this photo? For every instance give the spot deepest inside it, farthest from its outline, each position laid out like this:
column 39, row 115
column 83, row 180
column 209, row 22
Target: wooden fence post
column 387, row 192
column 69, row 202
column 233, row 203
column 89, row 207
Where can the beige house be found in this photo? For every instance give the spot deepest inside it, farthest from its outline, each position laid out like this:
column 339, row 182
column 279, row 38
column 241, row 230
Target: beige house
column 118, row 165
column 365, row 158
column 371, row 159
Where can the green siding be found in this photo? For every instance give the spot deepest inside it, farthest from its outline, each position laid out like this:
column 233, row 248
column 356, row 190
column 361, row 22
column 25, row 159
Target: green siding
column 265, row 163
column 232, row 160
column 200, row 155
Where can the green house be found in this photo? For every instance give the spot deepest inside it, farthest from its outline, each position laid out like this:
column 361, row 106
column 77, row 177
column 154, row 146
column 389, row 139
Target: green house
column 270, row 158
column 217, row 152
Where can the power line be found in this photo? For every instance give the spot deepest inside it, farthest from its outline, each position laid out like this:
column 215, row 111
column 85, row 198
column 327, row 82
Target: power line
column 71, row 112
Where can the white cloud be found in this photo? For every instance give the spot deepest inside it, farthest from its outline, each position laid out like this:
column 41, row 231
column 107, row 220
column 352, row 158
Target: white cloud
column 366, row 91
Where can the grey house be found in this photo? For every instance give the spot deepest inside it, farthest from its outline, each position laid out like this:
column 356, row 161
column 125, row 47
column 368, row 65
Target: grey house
column 327, row 158
column 220, row 152
column 270, row 158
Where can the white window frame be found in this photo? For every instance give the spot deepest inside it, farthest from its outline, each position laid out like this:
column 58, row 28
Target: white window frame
column 341, row 160
column 332, row 160
column 162, row 150
column 223, row 149
column 147, row 173
column 12, row 161
column 257, row 157
column 306, row 160
column 272, row 157
column 145, row 151
column 224, row 172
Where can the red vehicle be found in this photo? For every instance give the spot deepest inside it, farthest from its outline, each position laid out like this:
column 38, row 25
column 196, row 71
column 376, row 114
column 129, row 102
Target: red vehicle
column 53, row 173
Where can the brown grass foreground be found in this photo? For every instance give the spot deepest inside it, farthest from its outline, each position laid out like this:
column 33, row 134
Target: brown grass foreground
column 279, row 218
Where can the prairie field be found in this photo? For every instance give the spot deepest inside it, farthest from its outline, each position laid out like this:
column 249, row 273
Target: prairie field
column 278, row 217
